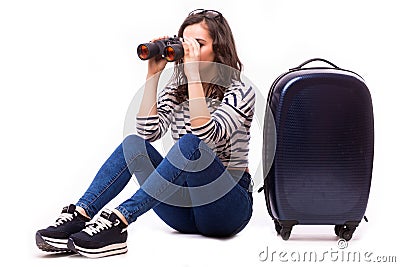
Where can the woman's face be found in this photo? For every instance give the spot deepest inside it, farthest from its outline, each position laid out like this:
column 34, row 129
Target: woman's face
column 200, row 32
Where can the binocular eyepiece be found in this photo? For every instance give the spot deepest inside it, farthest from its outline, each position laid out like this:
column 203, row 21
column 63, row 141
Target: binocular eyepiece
column 171, row 49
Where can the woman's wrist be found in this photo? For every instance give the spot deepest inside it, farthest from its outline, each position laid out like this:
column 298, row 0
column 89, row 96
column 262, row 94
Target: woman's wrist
column 193, row 76
column 193, row 79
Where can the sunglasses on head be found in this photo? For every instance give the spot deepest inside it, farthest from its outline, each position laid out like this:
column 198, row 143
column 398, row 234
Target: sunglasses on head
column 211, row 14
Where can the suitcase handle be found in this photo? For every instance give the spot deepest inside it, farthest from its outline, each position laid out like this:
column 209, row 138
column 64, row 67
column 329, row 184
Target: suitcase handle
column 315, row 59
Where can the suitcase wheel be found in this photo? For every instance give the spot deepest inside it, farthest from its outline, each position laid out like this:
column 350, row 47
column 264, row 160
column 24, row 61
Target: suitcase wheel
column 345, row 231
column 346, row 234
column 285, row 232
column 284, row 227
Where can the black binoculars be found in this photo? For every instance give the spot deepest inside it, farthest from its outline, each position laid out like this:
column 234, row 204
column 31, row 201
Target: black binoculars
column 171, row 49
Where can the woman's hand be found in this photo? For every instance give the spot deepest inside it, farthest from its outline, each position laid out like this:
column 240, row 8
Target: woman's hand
column 156, row 64
column 191, row 58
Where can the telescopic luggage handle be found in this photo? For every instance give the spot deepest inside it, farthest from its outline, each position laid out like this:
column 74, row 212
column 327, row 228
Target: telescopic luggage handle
column 315, row 59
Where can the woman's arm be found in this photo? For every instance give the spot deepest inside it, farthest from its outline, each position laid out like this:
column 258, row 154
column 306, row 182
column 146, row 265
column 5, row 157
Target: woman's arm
column 234, row 113
column 153, row 120
column 198, row 110
column 148, row 105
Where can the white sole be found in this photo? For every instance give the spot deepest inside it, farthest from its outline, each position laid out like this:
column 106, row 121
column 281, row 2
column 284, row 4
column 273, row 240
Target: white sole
column 51, row 244
column 109, row 250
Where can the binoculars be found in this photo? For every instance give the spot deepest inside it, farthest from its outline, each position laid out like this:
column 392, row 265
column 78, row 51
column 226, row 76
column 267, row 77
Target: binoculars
column 171, row 49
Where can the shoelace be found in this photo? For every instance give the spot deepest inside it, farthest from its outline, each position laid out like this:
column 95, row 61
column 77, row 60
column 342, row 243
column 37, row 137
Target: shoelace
column 100, row 225
column 64, row 217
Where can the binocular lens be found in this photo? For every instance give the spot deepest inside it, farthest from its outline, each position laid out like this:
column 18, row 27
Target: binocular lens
column 169, row 53
column 173, row 52
column 143, row 52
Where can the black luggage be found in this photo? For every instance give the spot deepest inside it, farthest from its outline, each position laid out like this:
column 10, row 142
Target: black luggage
column 324, row 143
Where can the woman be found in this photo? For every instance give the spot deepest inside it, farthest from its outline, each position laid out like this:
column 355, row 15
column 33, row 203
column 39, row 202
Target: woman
column 202, row 185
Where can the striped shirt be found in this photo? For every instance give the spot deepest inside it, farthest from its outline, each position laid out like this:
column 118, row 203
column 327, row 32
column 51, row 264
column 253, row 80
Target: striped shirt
column 227, row 133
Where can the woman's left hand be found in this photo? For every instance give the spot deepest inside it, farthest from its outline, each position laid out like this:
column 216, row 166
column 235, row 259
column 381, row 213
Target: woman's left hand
column 191, row 58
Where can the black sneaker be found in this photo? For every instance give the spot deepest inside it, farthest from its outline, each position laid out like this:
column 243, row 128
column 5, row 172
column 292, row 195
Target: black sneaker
column 55, row 237
column 105, row 237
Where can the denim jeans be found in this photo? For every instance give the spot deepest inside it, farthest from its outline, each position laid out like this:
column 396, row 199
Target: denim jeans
column 189, row 189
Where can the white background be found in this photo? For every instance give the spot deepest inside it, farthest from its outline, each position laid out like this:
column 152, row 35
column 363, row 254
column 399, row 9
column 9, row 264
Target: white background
column 69, row 69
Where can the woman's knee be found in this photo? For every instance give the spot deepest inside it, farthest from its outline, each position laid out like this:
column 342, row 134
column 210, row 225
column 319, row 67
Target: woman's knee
column 189, row 146
column 133, row 140
column 189, row 139
column 134, row 144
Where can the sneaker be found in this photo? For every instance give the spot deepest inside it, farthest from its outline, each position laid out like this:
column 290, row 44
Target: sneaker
column 55, row 237
column 105, row 237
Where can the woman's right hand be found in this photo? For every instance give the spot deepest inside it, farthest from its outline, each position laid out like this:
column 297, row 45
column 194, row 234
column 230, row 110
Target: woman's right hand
column 156, row 64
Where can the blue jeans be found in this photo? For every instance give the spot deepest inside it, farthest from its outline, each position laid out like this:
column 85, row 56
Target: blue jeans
column 189, row 189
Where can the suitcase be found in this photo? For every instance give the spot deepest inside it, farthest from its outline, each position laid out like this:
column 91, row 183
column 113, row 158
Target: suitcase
column 320, row 169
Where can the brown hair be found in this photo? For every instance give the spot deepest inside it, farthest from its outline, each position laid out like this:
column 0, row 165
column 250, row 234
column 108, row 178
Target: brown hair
column 225, row 53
